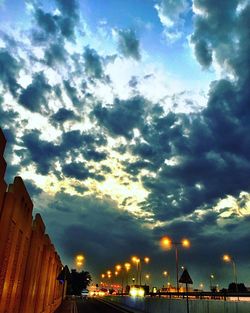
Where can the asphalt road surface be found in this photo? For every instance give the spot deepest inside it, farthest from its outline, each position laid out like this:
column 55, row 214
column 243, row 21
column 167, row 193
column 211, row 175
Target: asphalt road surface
column 91, row 305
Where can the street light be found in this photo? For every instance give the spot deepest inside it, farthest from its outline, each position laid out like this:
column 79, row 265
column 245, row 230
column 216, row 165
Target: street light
column 79, row 259
column 127, row 267
column 147, row 276
column 166, row 275
column 167, row 243
column 139, row 266
column 146, row 261
column 137, row 261
column 227, row 258
column 201, row 286
column 211, row 284
column 118, row 268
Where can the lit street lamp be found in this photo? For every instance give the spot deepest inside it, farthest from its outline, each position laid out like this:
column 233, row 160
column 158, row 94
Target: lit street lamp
column 166, row 275
column 167, row 243
column 147, row 276
column 139, row 267
column 227, row 258
column 146, row 261
column 127, row 267
column 137, row 261
column 211, row 279
column 79, row 259
column 118, row 270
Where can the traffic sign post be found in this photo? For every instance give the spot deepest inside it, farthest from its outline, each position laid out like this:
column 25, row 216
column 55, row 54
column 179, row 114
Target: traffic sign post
column 186, row 279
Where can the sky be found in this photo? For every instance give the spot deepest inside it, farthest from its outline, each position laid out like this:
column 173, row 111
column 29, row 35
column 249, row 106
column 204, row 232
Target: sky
column 128, row 121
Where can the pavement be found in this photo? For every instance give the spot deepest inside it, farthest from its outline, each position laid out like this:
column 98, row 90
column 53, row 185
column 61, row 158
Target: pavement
column 68, row 306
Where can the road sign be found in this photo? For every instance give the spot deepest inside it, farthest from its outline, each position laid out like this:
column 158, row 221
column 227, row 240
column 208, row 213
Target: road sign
column 185, row 278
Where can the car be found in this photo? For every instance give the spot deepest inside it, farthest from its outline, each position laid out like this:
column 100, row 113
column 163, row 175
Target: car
column 84, row 293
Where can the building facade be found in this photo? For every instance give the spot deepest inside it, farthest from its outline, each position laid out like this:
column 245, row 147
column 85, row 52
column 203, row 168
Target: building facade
column 29, row 264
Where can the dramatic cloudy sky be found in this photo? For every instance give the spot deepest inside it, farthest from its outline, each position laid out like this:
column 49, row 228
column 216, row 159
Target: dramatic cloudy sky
column 130, row 120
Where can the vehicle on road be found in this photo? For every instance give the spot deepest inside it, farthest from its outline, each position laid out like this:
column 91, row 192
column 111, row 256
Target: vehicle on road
column 84, row 293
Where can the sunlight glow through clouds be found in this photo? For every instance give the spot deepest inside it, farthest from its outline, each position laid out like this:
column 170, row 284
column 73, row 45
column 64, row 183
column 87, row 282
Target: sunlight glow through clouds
column 140, row 116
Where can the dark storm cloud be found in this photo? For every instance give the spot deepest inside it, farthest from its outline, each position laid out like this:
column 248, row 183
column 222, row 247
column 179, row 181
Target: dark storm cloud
column 46, row 21
column 69, row 8
column 99, row 228
column 35, row 96
column 94, row 155
column 63, row 115
column 32, row 189
column 122, row 117
column 201, row 158
column 7, row 117
column 204, row 161
column 80, row 189
column 92, row 62
column 133, row 82
column 9, row 70
column 203, row 53
column 155, row 144
column 60, row 25
column 72, row 93
column 128, row 44
column 80, row 171
column 40, row 151
column 215, row 30
column 55, row 54
column 134, row 168
column 9, row 122
column 76, row 139
column 44, row 153
column 76, row 170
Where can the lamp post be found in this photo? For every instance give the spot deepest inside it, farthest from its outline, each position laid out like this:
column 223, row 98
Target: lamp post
column 166, row 275
column 227, row 258
column 211, row 279
column 167, row 243
column 79, row 259
column 147, row 277
column 119, row 270
column 137, row 261
column 146, row 261
column 127, row 267
column 109, row 281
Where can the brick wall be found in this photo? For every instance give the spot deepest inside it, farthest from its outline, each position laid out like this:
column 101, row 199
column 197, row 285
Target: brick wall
column 29, row 264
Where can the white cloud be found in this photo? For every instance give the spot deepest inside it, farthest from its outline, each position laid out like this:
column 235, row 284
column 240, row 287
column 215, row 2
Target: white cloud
column 170, row 14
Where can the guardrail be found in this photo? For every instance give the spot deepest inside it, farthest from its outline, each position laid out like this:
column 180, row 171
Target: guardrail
column 202, row 294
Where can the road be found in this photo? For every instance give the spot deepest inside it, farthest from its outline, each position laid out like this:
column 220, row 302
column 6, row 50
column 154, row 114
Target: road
column 91, row 305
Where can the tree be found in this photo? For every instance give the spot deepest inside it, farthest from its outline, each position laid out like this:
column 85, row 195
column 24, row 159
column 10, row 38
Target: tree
column 239, row 288
column 78, row 282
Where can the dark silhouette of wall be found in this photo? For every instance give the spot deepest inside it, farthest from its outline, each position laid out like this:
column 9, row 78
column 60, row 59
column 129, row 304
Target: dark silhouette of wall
column 29, row 264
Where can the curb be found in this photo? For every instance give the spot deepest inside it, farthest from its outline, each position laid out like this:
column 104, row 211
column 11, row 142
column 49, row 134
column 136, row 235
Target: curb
column 67, row 306
column 74, row 307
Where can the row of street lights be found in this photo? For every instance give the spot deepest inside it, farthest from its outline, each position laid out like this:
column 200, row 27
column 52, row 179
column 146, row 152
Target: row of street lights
column 167, row 243
column 139, row 263
column 118, row 269
column 125, row 269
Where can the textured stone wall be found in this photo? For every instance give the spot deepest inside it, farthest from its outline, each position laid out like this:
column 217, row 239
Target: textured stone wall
column 29, row 264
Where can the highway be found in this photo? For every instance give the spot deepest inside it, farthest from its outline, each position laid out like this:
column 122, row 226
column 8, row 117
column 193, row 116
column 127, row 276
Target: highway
column 92, row 305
